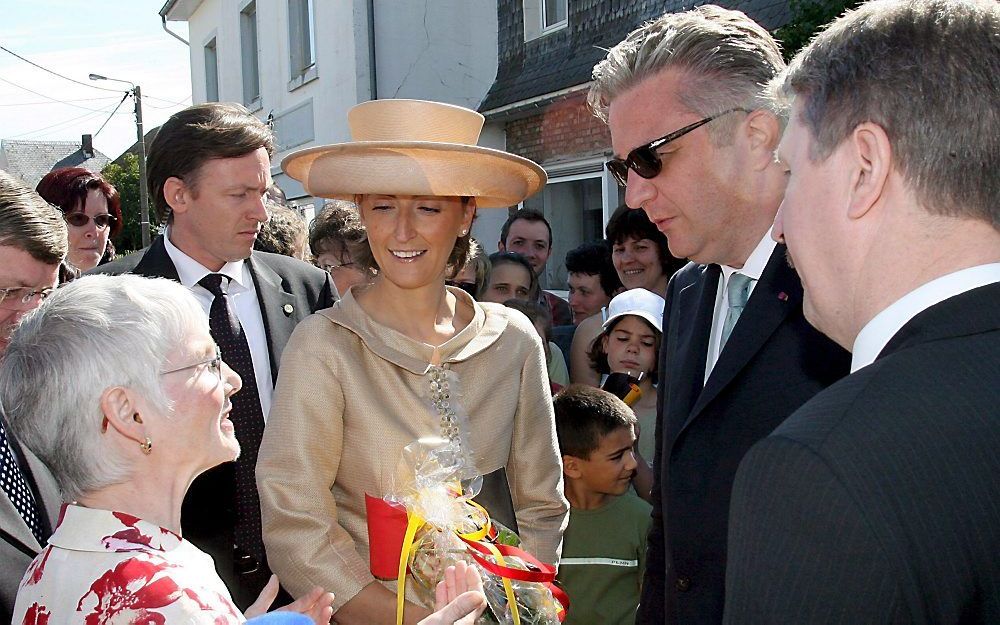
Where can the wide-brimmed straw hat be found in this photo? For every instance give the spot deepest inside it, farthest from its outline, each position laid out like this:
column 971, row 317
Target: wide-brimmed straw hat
column 414, row 147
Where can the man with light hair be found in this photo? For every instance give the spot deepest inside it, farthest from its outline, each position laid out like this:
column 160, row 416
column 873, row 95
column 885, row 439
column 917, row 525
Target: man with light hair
column 33, row 244
column 879, row 500
column 694, row 139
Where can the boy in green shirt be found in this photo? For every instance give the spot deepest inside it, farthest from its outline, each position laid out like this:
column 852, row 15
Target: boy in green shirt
column 604, row 547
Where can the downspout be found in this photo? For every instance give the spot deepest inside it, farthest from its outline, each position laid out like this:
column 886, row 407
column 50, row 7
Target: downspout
column 372, row 70
column 163, row 19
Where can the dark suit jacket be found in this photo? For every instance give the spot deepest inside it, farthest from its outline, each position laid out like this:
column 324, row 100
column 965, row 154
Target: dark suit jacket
column 879, row 500
column 18, row 546
column 773, row 362
column 288, row 291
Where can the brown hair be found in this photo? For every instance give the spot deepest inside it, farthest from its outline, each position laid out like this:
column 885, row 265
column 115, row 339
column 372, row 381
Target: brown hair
column 30, row 224
column 198, row 134
column 67, row 190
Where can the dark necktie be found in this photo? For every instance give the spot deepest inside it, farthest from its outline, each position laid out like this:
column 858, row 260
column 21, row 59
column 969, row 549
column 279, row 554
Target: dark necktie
column 17, row 488
column 247, row 416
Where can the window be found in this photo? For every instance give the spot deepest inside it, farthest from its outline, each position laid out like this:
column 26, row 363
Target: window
column 542, row 17
column 553, row 14
column 251, row 68
column 301, row 44
column 211, row 72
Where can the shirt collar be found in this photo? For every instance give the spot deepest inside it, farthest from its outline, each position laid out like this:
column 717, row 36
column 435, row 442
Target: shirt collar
column 190, row 271
column 756, row 262
column 92, row 529
column 879, row 331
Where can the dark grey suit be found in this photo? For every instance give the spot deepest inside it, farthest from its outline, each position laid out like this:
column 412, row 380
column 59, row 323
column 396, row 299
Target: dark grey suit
column 879, row 500
column 288, row 290
column 773, row 362
column 18, row 546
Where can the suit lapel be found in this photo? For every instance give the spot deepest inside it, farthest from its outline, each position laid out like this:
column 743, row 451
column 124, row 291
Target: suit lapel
column 777, row 293
column 277, row 307
column 695, row 308
column 14, row 528
column 156, row 263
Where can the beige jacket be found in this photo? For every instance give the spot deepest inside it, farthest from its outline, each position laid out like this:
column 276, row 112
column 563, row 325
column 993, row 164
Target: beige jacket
column 351, row 394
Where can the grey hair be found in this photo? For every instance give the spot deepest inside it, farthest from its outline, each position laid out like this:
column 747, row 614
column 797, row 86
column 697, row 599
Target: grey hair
column 927, row 73
column 95, row 333
column 726, row 59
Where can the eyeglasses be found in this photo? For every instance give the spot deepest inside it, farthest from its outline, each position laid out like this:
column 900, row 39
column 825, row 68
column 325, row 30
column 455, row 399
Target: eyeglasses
column 23, row 296
column 645, row 160
column 80, row 220
column 214, row 365
column 468, row 287
column 330, row 267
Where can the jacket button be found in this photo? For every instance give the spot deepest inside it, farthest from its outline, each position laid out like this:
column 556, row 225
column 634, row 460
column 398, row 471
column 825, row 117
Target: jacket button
column 683, row 584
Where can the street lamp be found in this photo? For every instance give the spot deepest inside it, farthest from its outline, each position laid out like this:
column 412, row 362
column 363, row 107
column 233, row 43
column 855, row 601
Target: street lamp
column 143, row 190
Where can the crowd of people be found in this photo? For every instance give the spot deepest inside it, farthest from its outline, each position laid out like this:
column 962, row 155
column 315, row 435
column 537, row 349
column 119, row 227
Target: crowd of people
column 771, row 396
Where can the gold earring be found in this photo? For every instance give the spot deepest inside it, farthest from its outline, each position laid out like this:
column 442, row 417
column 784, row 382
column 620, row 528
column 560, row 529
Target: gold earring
column 146, row 446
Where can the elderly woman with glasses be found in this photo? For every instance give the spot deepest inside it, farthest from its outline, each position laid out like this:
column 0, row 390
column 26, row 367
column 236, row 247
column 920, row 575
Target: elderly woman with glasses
column 91, row 208
column 116, row 384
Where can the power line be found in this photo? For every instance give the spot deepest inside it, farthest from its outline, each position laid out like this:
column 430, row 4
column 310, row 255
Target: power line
column 56, row 101
column 64, row 122
column 111, row 115
column 42, row 95
column 15, row 54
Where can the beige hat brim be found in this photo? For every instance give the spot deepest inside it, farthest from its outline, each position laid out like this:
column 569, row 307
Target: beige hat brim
column 344, row 170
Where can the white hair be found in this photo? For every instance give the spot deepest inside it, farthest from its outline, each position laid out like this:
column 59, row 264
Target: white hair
column 95, row 333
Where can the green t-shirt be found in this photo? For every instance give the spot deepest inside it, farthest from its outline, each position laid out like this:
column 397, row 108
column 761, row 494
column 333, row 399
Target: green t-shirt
column 603, row 558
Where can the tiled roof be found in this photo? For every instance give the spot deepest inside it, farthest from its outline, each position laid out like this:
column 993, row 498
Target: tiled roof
column 30, row 160
column 566, row 58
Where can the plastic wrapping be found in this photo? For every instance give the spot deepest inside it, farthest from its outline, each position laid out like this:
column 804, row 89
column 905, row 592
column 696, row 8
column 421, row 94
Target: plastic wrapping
column 429, row 512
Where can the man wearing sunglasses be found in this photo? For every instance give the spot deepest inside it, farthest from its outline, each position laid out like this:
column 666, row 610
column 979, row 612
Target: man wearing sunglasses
column 694, row 144
column 209, row 173
column 33, row 244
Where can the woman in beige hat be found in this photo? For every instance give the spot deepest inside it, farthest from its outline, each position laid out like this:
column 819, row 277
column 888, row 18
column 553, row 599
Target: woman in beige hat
column 404, row 358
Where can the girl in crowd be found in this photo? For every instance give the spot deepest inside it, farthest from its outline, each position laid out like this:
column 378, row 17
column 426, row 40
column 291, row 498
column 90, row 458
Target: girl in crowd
column 92, row 210
column 118, row 387
column 405, row 357
column 511, row 277
column 641, row 258
column 474, row 276
column 629, row 343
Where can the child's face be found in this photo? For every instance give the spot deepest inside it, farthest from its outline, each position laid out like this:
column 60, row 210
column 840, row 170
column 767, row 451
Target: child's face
column 508, row 281
column 631, row 346
column 611, row 466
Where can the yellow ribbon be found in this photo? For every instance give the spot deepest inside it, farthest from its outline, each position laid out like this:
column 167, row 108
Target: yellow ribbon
column 413, row 523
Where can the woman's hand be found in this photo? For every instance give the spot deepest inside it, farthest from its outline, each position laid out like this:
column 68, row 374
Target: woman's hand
column 459, row 598
column 316, row 604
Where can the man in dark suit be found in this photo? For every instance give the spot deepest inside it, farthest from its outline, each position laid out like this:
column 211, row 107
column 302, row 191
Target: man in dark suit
column 878, row 501
column 209, row 172
column 694, row 136
column 33, row 243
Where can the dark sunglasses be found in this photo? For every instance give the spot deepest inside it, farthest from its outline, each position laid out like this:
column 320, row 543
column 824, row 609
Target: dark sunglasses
column 468, row 287
column 645, row 160
column 82, row 219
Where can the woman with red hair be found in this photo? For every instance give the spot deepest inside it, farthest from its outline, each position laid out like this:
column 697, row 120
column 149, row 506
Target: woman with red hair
column 92, row 210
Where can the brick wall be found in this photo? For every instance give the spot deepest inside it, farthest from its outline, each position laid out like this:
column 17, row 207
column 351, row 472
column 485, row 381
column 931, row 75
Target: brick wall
column 562, row 130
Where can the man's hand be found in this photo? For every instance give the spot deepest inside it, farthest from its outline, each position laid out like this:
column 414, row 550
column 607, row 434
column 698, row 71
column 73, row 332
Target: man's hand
column 316, row 604
column 459, row 598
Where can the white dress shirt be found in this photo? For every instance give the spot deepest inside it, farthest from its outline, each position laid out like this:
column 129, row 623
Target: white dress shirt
column 879, row 331
column 753, row 268
column 242, row 295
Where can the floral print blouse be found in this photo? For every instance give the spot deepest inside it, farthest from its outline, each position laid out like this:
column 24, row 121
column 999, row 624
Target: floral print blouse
column 102, row 567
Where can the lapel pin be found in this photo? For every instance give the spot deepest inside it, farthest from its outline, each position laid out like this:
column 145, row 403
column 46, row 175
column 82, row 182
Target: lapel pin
column 289, row 309
column 783, row 296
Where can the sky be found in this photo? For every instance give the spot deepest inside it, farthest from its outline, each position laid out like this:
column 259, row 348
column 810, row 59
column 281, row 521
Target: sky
column 115, row 38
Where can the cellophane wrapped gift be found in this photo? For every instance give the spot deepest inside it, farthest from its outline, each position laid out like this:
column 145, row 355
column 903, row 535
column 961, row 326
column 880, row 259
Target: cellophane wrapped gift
column 432, row 496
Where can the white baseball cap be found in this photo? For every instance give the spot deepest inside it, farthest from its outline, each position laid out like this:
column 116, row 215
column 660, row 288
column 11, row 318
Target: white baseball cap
column 639, row 302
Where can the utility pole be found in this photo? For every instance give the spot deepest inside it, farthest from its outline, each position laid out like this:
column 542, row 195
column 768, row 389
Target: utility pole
column 143, row 189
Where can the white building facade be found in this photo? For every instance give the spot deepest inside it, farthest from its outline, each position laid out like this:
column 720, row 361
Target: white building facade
column 302, row 64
